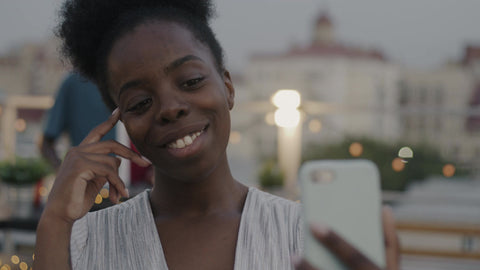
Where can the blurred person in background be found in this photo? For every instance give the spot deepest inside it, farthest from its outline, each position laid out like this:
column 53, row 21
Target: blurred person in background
column 161, row 71
column 78, row 109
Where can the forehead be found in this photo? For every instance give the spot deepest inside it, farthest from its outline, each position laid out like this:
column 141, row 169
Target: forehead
column 154, row 43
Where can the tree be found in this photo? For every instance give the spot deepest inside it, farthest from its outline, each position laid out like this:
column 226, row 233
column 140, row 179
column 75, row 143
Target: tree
column 426, row 160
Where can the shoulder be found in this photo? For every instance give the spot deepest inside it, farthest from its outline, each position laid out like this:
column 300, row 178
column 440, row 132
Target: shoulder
column 129, row 213
column 132, row 207
column 100, row 237
column 272, row 226
column 275, row 211
column 266, row 200
column 74, row 81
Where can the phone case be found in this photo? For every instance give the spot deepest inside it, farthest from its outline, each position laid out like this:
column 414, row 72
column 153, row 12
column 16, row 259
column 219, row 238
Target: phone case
column 344, row 195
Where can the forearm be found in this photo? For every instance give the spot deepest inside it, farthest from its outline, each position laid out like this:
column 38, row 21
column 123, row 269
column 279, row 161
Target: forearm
column 52, row 248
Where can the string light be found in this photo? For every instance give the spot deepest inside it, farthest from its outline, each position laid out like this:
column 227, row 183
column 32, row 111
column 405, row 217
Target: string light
column 15, row 259
column 23, row 266
column 104, row 193
column 98, row 199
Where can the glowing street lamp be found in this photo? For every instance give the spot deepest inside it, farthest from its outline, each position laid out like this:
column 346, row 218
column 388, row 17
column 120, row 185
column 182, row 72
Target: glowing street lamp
column 287, row 118
column 287, row 102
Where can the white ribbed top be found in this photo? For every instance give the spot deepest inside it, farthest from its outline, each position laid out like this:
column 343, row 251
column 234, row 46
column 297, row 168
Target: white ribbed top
column 125, row 236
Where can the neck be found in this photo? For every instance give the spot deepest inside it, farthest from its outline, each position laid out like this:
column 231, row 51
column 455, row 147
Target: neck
column 216, row 192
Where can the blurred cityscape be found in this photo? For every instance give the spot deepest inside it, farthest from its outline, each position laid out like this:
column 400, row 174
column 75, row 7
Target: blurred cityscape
column 348, row 92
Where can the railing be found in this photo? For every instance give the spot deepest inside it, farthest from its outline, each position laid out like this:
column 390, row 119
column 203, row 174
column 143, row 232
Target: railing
column 454, row 241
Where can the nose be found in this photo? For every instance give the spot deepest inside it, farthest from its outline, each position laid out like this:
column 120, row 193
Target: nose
column 172, row 108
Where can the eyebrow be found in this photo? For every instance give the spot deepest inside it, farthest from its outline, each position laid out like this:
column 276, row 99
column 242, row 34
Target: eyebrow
column 175, row 64
column 128, row 85
column 180, row 61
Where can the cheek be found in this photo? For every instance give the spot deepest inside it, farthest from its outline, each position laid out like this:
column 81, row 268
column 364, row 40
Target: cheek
column 136, row 129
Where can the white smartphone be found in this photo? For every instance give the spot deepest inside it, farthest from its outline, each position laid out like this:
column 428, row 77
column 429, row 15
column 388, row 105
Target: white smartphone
column 345, row 196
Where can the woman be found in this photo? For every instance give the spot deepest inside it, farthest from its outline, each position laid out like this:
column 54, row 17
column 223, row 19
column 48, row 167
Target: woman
column 160, row 69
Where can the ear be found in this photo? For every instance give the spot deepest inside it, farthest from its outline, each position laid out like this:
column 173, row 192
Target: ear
column 230, row 89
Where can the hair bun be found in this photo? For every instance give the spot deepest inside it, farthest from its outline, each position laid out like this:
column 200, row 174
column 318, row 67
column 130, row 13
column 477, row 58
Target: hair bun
column 83, row 24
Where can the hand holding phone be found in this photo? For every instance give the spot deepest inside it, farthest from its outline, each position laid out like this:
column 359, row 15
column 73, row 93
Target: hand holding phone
column 343, row 195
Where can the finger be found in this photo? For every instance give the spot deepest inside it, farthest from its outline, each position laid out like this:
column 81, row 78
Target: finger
column 94, row 186
column 114, row 147
column 116, row 183
column 344, row 251
column 103, row 169
column 113, row 194
column 106, row 167
column 392, row 244
column 99, row 131
column 302, row 264
column 113, row 163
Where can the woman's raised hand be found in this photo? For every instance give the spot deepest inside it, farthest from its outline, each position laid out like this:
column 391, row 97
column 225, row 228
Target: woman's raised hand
column 350, row 256
column 85, row 170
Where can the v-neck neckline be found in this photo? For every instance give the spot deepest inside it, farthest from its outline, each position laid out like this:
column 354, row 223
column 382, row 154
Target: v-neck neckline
column 161, row 258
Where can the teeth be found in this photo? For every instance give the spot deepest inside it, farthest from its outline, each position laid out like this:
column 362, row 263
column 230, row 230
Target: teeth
column 180, row 143
column 185, row 141
column 188, row 140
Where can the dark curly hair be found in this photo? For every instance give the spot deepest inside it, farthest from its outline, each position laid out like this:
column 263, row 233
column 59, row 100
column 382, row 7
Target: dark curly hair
column 89, row 28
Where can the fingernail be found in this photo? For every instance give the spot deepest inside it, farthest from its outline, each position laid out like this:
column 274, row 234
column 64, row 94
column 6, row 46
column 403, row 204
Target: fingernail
column 128, row 193
column 296, row 260
column 146, row 159
column 319, row 229
column 115, row 111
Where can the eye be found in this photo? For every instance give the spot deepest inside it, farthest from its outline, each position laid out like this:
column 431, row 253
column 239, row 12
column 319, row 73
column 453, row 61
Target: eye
column 193, row 83
column 140, row 106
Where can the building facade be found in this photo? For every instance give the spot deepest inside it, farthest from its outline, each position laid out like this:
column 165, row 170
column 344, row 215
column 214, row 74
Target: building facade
column 345, row 90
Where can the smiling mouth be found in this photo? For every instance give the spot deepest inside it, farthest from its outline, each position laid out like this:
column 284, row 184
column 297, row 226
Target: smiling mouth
column 185, row 141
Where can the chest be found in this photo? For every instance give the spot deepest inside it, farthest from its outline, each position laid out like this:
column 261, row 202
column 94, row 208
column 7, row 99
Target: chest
column 199, row 243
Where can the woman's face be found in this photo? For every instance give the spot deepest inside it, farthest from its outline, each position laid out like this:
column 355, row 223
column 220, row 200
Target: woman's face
column 173, row 101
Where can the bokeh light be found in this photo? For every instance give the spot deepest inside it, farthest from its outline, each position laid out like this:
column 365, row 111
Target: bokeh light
column 315, row 126
column 23, row 266
column 287, row 117
column 43, row 191
column 286, row 98
column 6, row 267
column 355, row 149
column 15, row 259
column 104, row 193
column 235, row 137
column 270, row 119
column 405, row 152
column 448, row 170
column 20, row 125
column 98, row 199
column 398, row 165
